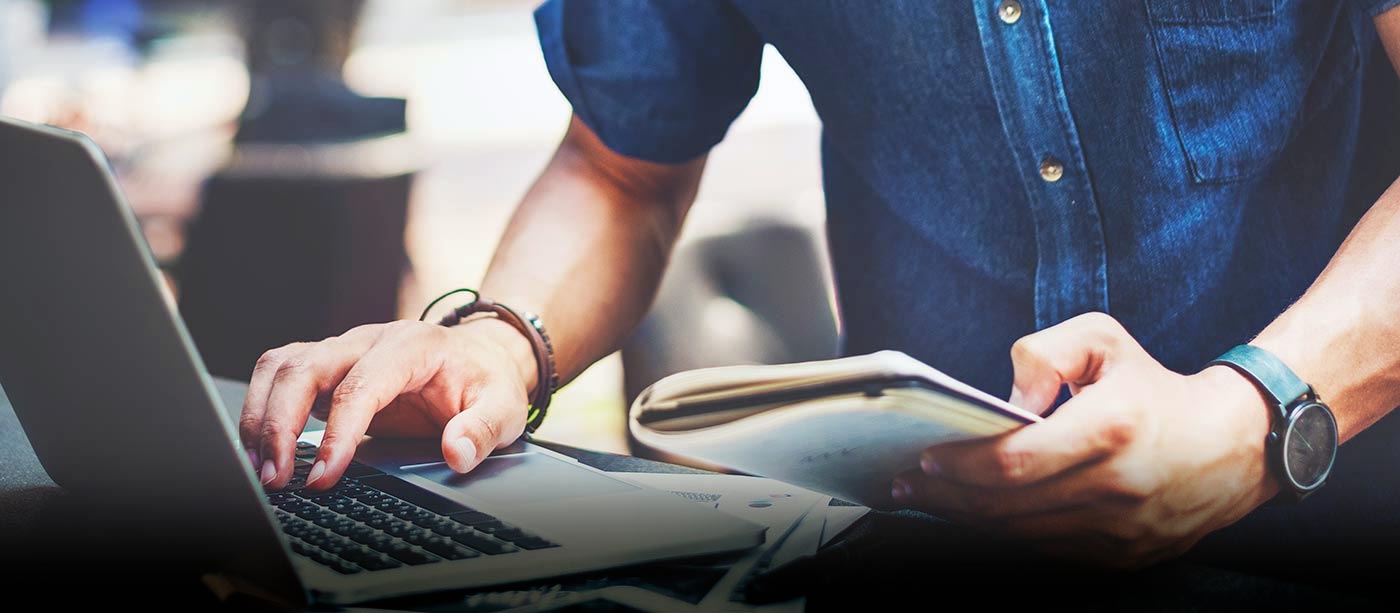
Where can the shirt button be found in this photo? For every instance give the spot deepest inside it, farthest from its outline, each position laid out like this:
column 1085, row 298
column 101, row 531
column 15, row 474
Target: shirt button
column 1009, row 11
column 1051, row 169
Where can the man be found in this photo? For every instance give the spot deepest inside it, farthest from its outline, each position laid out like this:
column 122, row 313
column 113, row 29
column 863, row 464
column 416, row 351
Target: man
column 1145, row 184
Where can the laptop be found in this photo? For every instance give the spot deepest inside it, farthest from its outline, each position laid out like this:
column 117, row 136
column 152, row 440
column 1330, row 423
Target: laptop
column 120, row 411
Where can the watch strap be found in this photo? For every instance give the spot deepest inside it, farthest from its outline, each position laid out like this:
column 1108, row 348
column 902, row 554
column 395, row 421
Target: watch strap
column 1268, row 372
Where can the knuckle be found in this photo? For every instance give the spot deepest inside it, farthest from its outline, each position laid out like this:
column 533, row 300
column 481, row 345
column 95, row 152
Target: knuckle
column 1109, row 330
column 1129, row 485
column 1025, row 348
column 401, row 327
column 1010, row 465
column 249, row 426
column 362, row 329
column 334, row 439
column 271, row 358
column 291, row 368
column 490, row 431
column 1117, row 430
column 272, row 431
column 351, row 387
column 1099, row 319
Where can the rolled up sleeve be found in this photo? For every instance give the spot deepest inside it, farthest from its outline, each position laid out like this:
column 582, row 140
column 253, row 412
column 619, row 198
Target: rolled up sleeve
column 1371, row 8
column 658, row 80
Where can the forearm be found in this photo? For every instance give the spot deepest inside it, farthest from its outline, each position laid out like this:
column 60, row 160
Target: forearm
column 587, row 246
column 1343, row 335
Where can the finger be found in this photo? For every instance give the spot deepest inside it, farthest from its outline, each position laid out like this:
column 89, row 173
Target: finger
column 1075, row 352
column 401, row 419
column 391, row 367
column 1098, row 484
column 1088, row 427
column 295, row 386
column 495, row 418
column 255, row 400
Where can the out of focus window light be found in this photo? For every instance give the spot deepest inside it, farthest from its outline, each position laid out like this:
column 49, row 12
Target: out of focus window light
column 191, row 83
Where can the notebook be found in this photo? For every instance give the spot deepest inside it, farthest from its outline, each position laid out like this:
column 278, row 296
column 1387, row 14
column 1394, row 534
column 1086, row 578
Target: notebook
column 842, row 427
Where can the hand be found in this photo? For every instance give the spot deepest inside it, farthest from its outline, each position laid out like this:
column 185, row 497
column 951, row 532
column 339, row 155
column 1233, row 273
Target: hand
column 467, row 384
column 1139, row 465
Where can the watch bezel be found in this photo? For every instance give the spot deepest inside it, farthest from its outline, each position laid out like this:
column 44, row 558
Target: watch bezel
column 1294, row 414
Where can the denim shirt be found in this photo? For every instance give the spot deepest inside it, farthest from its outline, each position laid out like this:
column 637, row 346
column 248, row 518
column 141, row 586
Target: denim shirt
column 994, row 167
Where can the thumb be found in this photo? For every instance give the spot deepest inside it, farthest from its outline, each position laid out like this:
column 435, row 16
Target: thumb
column 495, row 418
column 1075, row 352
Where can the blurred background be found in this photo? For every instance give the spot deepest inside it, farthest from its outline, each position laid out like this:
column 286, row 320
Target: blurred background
column 303, row 166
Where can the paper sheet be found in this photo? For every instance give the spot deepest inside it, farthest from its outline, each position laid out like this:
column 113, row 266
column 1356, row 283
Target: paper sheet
column 794, row 516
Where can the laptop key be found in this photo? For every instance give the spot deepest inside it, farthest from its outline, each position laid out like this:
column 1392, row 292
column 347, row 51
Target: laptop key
column 405, row 553
column 358, row 554
column 326, row 500
column 397, row 528
column 492, row 526
column 413, row 494
column 445, row 527
column 380, row 563
column 370, row 497
column 472, row 518
column 428, row 523
column 448, row 549
column 510, row 534
column 345, row 526
column 483, row 543
column 393, row 506
column 356, row 469
column 365, row 535
column 359, row 512
column 378, row 520
column 360, row 533
column 534, row 543
column 418, row 536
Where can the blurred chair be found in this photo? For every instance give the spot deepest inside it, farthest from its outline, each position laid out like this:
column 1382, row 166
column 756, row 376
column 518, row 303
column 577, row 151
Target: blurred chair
column 295, row 243
column 760, row 294
column 301, row 237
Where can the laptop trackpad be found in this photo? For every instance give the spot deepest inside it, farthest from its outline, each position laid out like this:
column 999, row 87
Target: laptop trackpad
column 522, row 478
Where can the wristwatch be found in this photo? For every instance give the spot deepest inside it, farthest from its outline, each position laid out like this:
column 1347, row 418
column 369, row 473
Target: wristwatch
column 1302, row 442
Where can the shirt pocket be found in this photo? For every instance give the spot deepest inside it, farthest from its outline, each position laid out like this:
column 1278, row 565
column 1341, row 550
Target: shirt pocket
column 1242, row 77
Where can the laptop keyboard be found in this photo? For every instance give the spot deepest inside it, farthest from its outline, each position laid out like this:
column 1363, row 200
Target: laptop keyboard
column 374, row 521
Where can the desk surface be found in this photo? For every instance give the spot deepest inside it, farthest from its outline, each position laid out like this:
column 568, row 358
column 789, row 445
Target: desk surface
column 903, row 556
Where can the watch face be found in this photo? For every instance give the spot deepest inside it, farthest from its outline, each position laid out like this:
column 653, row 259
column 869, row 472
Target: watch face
column 1309, row 445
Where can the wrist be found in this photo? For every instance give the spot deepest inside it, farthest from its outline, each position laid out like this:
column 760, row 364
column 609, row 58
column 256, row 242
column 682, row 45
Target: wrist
column 516, row 347
column 1330, row 347
column 1249, row 420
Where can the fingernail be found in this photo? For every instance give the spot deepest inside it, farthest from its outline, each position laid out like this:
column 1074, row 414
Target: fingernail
column 317, row 470
column 269, row 472
column 900, row 490
column 253, row 457
column 931, row 467
column 466, row 450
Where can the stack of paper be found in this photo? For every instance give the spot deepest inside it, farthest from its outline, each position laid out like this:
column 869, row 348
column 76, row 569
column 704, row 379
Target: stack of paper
column 798, row 520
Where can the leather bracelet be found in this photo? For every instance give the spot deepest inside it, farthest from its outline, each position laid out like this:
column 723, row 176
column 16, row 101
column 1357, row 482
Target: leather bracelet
column 529, row 325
